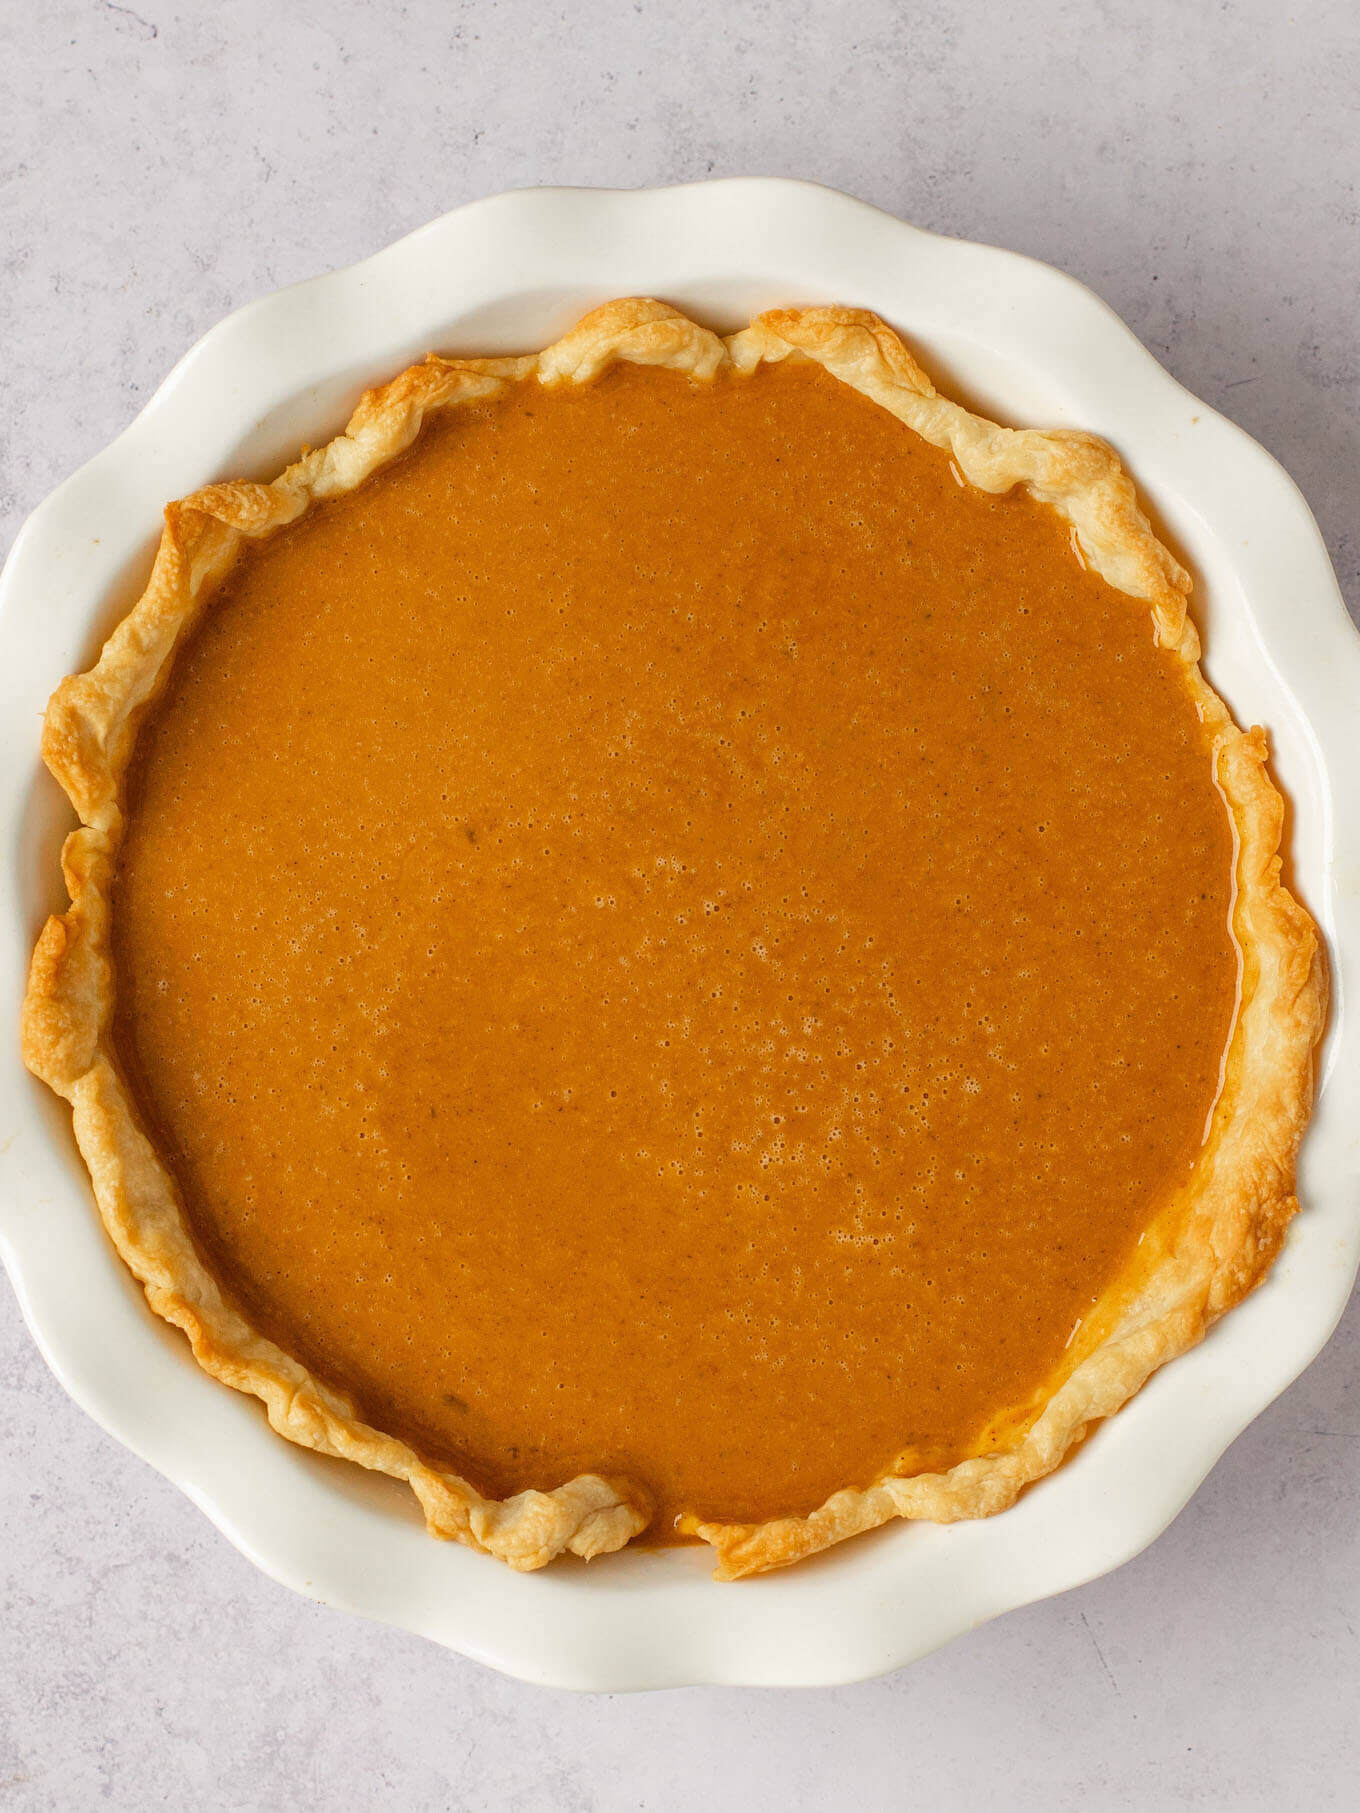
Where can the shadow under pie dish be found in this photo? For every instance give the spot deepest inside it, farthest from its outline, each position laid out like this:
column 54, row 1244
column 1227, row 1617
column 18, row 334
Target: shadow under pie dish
column 681, row 948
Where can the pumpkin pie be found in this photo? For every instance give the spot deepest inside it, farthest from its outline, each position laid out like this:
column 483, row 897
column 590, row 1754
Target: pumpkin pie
column 667, row 940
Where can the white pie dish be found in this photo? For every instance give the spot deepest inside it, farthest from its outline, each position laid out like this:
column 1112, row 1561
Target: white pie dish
column 1027, row 344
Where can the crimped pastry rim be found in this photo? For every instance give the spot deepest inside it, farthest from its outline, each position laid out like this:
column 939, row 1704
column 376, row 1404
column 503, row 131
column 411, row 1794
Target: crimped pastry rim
column 1229, row 1224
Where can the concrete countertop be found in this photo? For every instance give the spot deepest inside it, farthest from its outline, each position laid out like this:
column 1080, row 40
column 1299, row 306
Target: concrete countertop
column 161, row 164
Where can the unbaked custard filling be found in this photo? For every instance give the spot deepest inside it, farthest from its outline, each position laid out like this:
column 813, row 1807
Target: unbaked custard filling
column 666, row 935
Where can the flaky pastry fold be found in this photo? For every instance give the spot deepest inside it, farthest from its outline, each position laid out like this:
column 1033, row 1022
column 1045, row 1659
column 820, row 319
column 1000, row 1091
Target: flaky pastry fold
column 1197, row 1262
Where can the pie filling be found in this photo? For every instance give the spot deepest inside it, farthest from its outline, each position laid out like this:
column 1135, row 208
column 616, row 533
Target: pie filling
column 666, row 935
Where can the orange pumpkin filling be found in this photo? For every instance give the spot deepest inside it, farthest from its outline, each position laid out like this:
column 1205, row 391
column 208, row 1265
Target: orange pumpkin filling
column 666, row 935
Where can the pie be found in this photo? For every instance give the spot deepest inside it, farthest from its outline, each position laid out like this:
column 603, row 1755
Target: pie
column 667, row 940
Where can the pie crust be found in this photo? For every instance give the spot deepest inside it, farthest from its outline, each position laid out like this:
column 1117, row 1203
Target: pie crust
column 1229, row 1224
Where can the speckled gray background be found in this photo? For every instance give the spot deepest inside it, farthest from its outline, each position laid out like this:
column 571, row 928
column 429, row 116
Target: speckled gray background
column 1197, row 165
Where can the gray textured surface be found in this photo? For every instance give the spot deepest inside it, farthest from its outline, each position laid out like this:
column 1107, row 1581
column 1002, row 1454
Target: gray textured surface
column 1197, row 166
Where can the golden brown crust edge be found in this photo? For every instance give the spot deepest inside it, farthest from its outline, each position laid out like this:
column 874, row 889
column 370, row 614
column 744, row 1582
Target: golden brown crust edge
column 1226, row 1231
